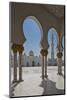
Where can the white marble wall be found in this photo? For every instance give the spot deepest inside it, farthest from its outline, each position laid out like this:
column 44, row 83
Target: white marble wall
column 27, row 60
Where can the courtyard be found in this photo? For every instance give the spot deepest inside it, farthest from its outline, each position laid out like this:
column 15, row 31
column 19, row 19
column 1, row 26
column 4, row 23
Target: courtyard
column 33, row 85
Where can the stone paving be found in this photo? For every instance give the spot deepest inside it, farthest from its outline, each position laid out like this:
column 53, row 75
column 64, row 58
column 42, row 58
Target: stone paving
column 33, row 85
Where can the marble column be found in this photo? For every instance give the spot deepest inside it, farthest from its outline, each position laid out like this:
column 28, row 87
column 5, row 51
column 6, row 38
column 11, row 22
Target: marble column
column 59, row 62
column 42, row 67
column 46, row 67
column 14, row 48
column 20, row 62
column 44, row 63
column 45, row 54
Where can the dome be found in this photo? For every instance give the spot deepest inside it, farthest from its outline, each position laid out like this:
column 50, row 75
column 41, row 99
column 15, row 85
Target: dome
column 31, row 53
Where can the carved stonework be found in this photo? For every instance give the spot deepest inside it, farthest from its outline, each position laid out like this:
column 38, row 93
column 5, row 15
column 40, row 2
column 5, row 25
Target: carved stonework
column 14, row 48
column 20, row 48
column 44, row 52
column 55, row 10
column 59, row 55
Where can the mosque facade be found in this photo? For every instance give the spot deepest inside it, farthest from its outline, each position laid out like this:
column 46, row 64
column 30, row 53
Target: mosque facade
column 31, row 59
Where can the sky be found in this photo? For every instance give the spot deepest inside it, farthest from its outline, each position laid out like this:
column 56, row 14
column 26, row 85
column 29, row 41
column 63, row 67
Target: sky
column 33, row 36
column 52, row 30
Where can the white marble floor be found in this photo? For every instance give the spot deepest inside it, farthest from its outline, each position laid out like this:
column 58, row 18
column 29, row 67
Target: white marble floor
column 33, row 85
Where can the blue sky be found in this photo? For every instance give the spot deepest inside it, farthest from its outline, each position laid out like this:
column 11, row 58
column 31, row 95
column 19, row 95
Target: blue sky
column 33, row 36
column 50, row 41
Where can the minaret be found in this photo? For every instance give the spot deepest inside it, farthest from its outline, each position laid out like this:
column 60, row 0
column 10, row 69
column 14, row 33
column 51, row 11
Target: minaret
column 52, row 47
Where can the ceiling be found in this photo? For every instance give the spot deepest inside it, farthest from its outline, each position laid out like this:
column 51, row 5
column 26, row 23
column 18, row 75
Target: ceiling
column 56, row 10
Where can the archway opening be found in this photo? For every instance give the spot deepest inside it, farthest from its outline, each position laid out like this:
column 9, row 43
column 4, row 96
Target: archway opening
column 33, row 32
column 52, row 50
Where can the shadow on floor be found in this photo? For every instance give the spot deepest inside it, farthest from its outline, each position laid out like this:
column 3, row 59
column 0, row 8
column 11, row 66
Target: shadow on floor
column 49, row 88
column 14, row 84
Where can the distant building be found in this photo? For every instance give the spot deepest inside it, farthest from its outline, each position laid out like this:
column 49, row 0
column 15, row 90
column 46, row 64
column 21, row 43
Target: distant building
column 31, row 59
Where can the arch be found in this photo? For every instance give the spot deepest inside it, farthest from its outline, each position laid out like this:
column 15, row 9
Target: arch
column 62, row 44
column 38, row 23
column 54, row 29
column 33, row 63
column 52, row 51
column 62, row 41
column 35, row 20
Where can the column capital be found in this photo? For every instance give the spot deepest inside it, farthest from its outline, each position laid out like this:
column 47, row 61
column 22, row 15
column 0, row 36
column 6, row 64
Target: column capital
column 44, row 52
column 14, row 48
column 59, row 54
column 17, row 47
column 20, row 48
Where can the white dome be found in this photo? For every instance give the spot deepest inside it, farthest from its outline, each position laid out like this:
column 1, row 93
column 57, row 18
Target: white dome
column 31, row 53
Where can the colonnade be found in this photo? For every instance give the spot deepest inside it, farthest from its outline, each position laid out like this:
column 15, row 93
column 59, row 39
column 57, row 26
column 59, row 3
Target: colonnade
column 44, row 52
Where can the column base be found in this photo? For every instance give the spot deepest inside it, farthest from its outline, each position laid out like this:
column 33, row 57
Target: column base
column 20, row 80
column 60, row 74
column 14, row 81
column 45, row 76
column 42, row 77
